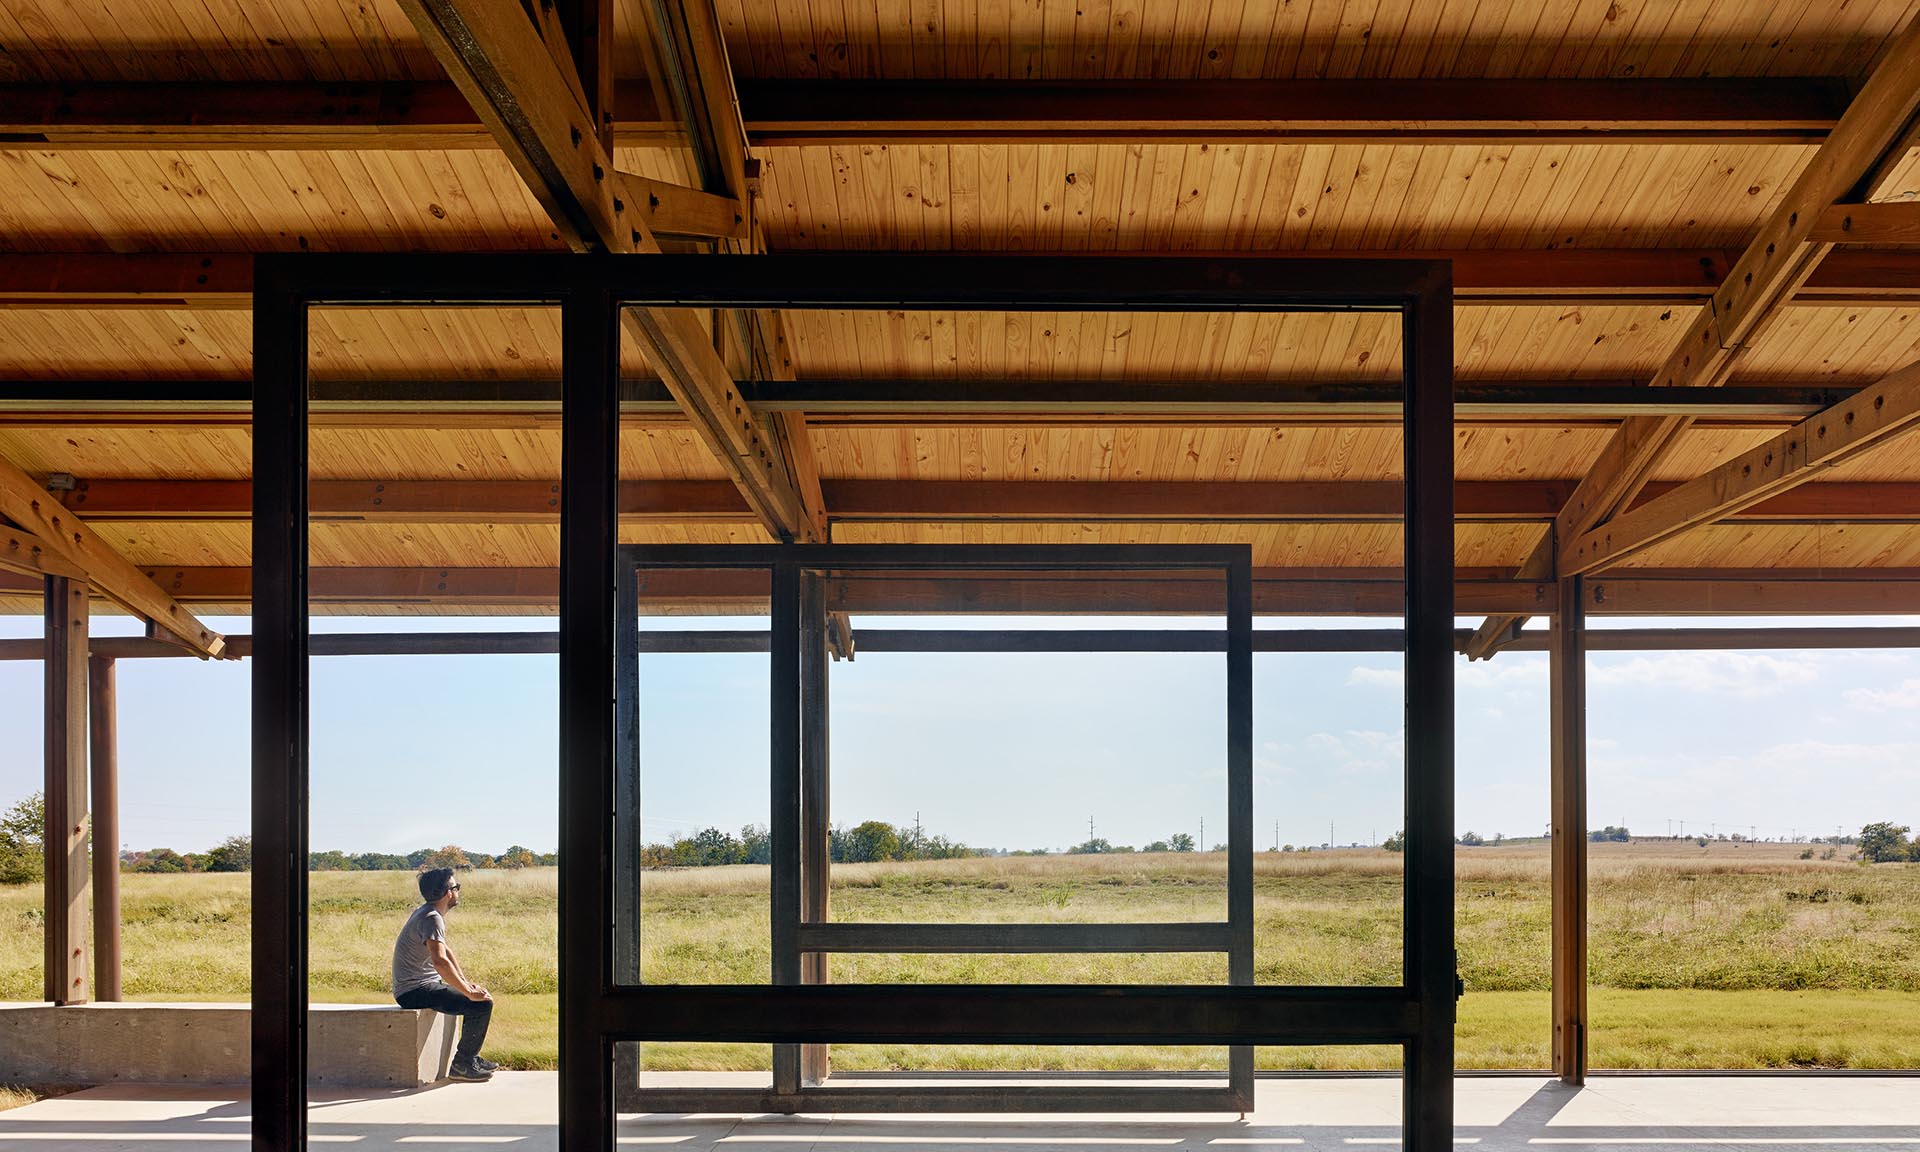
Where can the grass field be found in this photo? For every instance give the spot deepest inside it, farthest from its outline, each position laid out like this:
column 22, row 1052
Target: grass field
column 1728, row 956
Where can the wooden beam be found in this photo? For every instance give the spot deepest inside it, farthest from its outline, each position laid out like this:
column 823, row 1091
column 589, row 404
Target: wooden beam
column 527, row 97
column 787, row 113
column 27, row 554
column 1277, row 592
column 103, row 754
column 517, row 82
column 1567, row 718
column 440, row 405
column 1790, row 459
column 38, row 512
column 260, row 116
column 66, row 889
column 783, row 112
column 1129, row 501
column 1774, row 266
column 676, row 210
column 1651, row 276
column 1896, row 222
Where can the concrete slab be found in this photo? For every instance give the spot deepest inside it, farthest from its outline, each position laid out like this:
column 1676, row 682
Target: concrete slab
column 1496, row 1114
column 359, row 1045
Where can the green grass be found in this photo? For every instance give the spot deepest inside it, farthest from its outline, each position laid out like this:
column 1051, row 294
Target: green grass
column 1728, row 956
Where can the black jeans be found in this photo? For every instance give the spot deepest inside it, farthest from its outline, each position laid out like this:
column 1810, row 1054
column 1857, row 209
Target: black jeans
column 475, row 1016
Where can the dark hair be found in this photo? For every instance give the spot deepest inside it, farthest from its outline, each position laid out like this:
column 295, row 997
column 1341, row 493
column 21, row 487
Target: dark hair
column 434, row 883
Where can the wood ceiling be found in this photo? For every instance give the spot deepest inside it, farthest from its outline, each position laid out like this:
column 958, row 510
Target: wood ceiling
column 1591, row 224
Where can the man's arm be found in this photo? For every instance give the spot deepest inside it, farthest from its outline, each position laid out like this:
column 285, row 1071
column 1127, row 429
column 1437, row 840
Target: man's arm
column 450, row 972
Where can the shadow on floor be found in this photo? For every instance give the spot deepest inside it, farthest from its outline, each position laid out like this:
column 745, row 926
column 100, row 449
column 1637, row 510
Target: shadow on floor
column 455, row 1117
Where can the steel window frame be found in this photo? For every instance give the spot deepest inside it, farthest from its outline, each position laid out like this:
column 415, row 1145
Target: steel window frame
column 591, row 291
column 794, row 936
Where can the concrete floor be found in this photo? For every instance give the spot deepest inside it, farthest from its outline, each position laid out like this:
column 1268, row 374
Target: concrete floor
column 1495, row 1113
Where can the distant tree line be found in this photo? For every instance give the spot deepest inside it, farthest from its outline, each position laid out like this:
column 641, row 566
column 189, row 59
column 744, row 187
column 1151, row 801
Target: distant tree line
column 1100, row 846
column 867, row 842
column 235, row 854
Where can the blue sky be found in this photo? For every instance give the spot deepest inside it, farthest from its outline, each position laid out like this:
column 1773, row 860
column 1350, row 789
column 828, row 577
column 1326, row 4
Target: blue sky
column 1016, row 751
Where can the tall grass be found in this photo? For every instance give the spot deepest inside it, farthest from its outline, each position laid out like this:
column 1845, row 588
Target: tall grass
column 1668, row 922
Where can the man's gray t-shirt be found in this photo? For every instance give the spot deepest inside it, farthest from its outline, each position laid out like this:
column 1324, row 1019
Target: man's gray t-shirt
column 412, row 962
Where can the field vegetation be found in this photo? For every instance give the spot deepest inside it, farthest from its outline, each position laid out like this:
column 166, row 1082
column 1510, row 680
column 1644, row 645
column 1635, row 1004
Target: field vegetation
column 1728, row 955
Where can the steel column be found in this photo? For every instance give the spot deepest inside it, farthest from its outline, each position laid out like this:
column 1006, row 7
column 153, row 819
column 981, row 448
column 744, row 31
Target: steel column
column 279, row 877
column 589, row 524
column 1430, row 963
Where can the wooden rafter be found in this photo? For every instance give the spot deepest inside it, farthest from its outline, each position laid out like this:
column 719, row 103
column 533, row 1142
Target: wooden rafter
column 27, row 554
column 1862, row 421
column 523, row 87
column 787, row 112
column 1861, row 148
column 74, row 545
column 511, row 73
column 1896, row 222
column 693, row 54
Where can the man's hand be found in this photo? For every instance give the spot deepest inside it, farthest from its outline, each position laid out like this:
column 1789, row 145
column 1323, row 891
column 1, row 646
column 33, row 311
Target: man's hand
column 476, row 992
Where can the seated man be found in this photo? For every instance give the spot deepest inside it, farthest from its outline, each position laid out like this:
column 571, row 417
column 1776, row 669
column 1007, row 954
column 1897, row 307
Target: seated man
column 426, row 975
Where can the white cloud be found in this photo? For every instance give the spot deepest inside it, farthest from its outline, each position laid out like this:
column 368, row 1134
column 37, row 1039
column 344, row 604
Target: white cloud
column 1375, row 677
column 1904, row 698
column 1740, row 674
column 1356, row 751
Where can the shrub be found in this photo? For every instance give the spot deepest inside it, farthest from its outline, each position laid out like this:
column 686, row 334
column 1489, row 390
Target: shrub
column 1885, row 843
column 1394, row 843
column 235, row 854
column 22, row 860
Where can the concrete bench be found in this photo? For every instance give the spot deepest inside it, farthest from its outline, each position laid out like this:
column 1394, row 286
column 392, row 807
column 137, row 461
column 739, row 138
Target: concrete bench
column 348, row 1045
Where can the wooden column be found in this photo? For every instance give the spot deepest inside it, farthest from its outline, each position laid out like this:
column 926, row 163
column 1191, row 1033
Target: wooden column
column 1568, row 711
column 66, row 892
column 103, row 746
column 816, row 819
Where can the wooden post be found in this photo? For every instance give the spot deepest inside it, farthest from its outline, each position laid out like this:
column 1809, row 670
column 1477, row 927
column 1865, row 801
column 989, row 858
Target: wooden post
column 66, row 892
column 1568, row 712
column 816, row 820
column 103, row 746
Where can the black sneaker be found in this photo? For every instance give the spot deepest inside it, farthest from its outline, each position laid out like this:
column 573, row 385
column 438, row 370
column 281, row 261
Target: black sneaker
column 485, row 1065
column 469, row 1073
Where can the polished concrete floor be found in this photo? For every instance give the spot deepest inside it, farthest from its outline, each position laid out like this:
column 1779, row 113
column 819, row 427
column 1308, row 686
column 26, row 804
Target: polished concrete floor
column 516, row 1111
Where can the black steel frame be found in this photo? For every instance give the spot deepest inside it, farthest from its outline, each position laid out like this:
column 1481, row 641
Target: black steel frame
column 590, row 290
column 795, row 936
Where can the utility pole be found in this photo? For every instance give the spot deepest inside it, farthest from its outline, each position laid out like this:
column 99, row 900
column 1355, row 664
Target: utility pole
column 1202, row 846
column 1276, row 835
column 1089, row 830
column 1329, row 834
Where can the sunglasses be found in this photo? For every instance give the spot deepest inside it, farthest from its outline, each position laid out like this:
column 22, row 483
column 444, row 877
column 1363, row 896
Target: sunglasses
column 453, row 887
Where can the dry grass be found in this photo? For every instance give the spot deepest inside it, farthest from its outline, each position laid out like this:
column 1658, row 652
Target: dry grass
column 1725, row 956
